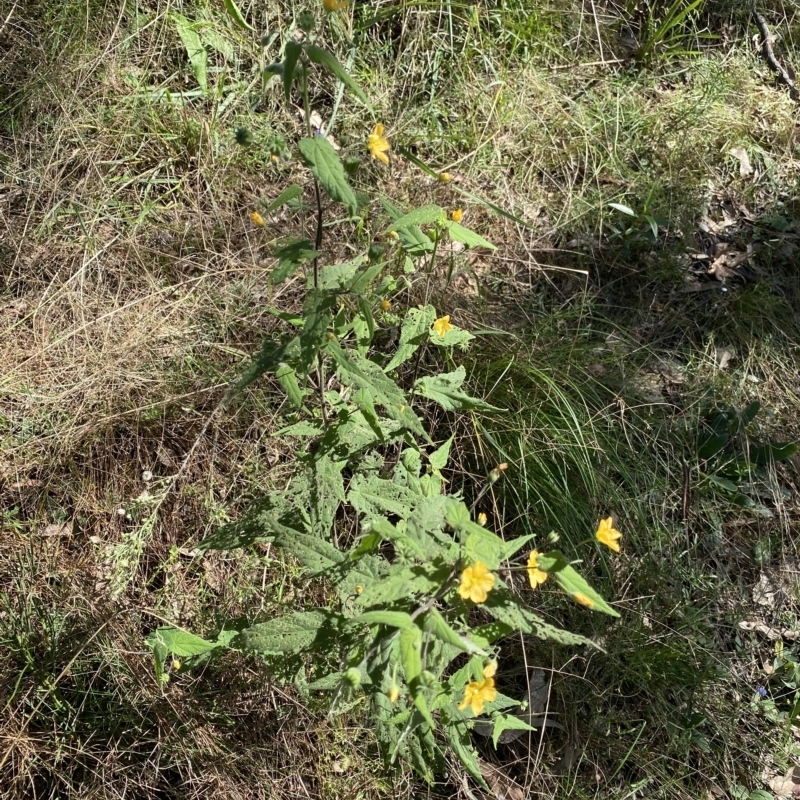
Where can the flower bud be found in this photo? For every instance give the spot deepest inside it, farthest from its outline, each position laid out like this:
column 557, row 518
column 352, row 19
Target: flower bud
column 306, row 22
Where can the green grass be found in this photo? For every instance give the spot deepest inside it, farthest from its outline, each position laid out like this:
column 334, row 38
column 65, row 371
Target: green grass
column 134, row 289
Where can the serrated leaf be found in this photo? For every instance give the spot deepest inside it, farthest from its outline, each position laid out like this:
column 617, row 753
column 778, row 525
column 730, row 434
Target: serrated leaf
column 438, row 458
column 393, row 619
column 178, row 642
column 373, row 496
column 444, row 390
column 326, row 684
column 357, row 371
column 457, row 514
column 271, row 356
column 413, row 333
column 291, row 54
column 412, row 239
column 284, row 197
column 290, row 256
column 318, row 318
column 467, row 237
column 327, row 492
column 236, row 15
column 362, row 281
column 300, row 630
column 436, row 624
column 458, row 736
column 195, row 50
column 320, row 157
column 318, row 55
column 574, row 584
column 287, row 378
column 425, row 215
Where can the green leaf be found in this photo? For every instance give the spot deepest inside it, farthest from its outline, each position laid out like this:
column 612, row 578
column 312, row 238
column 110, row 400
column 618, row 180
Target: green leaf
column 364, row 325
column 318, row 318
column 772, row 452
column 438, row 458
column 506, row 722
column 467, row 237
column 237, row 15
column 412, row 239
column 712, row 445
column 284, row 197
column 300, row 630
column 325, row 59
column 355, row 370
column 425, row 215
column 436, row 624
column 455, row 337
column 457, row 515
column 272, row 355
column 458, row 736
column 291, row 54
column 290, row 256
column 572, row 582
column 287, row 378
column 722, row 483
column 373, row 496
column 195, row 49
column 178, row 642
column 444, row 389
column 623, row 209
column 362, row 281
column 320, row 157
column 414, row 332
column 394, row 619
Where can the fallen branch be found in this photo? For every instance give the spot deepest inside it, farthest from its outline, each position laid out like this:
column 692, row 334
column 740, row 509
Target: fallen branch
column 769, row 56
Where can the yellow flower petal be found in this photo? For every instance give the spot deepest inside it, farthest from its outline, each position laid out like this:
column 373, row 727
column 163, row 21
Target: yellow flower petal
column 378, row 145
column 580, row 597
column 490, row 670
column 482, row 518
column 445, row 177
column 394, row 693
column 478, row 693
column 442, row 325
column 334, row 5
column 457, row 215
column 257, row 219
column 476, row 583
column 536, row 576
column 608, row 535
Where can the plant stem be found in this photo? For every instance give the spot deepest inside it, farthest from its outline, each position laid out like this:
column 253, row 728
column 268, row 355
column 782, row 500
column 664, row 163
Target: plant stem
column 317, row 246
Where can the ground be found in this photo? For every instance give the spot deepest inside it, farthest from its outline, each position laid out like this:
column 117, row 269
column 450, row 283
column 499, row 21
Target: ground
column 134, row 290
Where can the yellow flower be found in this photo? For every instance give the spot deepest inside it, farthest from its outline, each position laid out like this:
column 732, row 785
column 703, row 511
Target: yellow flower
column 536, row 576
column 445, row 177
column 256, row 219
column 377, row 144
column 457, row 215
column 386, row 304
column 359, row 589
column 607, row 534
column 482, row 519
column 176, row 664
column 334, row 5
column 580, row 597
column 394, row 693
column 477, row 693
column 442, row 325
column 476, row 582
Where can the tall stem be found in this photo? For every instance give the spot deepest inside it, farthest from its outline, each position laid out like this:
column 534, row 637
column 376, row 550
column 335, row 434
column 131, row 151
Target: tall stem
column 317, row 244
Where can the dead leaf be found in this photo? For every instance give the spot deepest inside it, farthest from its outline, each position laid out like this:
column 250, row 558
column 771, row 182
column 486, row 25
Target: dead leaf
column 502, row 786
column 764, row 592
column 773, row 634
column 787, row 785
column 724, row 355
column 745, row 167
column 724, row 266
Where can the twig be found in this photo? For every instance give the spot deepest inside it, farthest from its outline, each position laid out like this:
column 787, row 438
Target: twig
column 769, row 56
